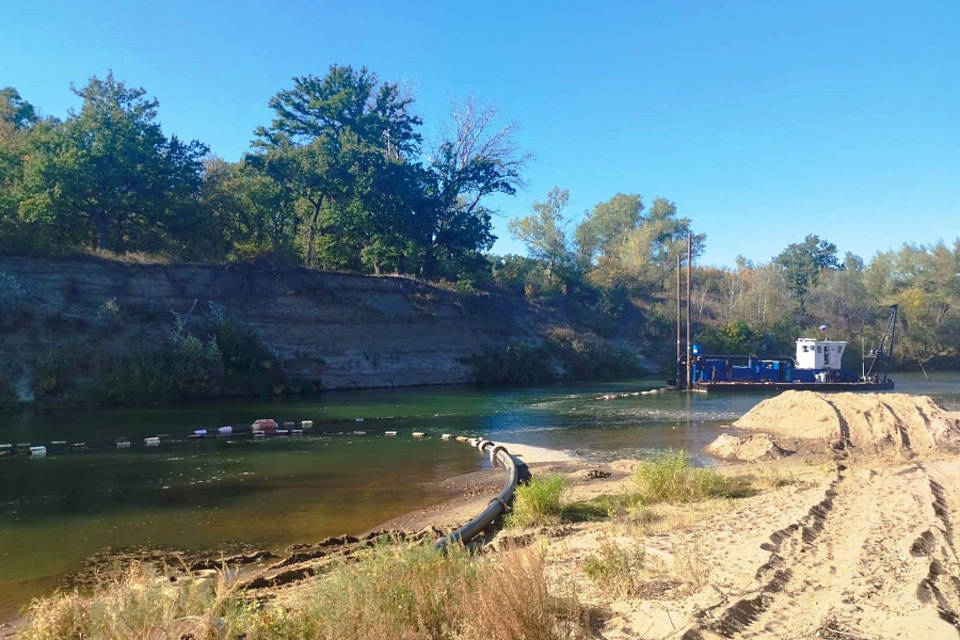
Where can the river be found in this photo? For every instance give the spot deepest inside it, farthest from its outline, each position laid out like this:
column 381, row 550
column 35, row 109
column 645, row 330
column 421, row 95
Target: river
column 208, row 494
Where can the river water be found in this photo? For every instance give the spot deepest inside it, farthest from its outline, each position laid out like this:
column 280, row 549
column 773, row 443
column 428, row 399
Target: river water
column 209, row 494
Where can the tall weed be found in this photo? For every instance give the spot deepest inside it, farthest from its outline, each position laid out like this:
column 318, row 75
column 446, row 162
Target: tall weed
column 669, row 477
column 538, row 502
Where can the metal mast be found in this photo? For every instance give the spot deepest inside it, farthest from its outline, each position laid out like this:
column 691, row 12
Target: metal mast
column 689, row 262
column 677, row 361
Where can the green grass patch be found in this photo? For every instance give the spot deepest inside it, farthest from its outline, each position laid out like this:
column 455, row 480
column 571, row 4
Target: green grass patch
column 596, row 508
column 538, row 502
column 670, row 478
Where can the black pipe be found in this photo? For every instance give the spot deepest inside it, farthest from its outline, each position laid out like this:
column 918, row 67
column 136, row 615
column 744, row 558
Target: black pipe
column 497, row 507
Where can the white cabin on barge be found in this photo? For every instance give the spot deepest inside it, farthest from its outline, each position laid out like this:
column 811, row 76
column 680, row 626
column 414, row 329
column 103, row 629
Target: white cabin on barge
column 819, row 354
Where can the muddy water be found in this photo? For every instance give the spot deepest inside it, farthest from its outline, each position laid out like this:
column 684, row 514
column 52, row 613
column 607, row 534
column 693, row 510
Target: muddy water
column 200, row 495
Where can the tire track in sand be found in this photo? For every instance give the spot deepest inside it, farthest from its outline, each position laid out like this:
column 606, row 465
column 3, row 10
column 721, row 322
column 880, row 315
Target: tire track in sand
column 784, row 546
column 852, row 560
column 938, row 543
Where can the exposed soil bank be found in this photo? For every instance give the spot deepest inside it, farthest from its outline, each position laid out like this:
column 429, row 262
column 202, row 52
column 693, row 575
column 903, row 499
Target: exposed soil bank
column 327, row 330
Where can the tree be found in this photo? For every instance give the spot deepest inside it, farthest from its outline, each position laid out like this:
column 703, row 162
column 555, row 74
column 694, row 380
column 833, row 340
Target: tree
column 245, row 210
column 17, row 118
column 641, row 257
column 841, row 298
column 15, row 112
column 545, row 233
column 606, row 225
column 801, row 263
column 475, row 160
column 110, row 177
column 322, row 129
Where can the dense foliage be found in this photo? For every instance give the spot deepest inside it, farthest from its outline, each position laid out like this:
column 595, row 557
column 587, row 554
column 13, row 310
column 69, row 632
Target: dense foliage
column 763, row 308
column 339, row 179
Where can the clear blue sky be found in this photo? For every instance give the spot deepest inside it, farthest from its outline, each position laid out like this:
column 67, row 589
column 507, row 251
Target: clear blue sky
column 764, row 121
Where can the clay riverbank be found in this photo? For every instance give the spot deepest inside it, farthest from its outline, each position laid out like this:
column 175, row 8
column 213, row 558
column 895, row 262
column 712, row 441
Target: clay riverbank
column 70, row 322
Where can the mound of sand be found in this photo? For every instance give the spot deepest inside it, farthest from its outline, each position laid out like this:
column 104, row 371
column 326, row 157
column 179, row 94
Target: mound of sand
column 866, row 420
column 747, row 448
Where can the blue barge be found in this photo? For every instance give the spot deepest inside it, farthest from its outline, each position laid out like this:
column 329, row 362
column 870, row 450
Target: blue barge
column 816, row 367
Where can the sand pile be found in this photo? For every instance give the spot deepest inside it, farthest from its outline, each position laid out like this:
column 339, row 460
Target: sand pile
column 866, row 420
column 748, row 448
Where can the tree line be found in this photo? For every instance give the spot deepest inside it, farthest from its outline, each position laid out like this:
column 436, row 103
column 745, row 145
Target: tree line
column 341, row 179
column 338, row 179
column 762, row 308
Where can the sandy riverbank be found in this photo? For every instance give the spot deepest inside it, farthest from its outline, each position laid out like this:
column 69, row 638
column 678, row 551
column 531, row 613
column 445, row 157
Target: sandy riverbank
column 855, row 537
column 850, row 532
column 847, row 531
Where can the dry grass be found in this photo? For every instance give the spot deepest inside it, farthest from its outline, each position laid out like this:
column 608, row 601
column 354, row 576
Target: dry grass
column 129, row 257
column 691, row 565
column 617, row 567
column 405, row 591
column 141, row 604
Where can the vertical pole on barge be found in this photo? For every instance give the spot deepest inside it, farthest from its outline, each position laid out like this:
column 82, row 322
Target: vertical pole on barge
column 676, row 365
column 689, row 261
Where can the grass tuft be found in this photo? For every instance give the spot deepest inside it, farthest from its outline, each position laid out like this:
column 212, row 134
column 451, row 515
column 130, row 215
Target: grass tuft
column 141, row 603
column 616, row 567
column 670, row 478
column 539, row 502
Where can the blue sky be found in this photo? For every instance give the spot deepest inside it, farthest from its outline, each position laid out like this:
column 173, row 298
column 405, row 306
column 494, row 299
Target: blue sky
column 763, row 121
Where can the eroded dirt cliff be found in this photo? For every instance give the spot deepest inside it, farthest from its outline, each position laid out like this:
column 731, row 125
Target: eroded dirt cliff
column 328, row 330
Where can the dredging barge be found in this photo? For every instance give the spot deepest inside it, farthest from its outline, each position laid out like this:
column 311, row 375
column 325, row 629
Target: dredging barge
column 817, row 367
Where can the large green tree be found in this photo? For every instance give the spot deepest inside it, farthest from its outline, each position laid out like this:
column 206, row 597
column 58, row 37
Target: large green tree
column 16, row 118
column 108, row 176
column 625, row 248
column 15, row 112
column 475, row 160
column 327, row 132
column 607, row 224
column 801, row 264
column 545, row 232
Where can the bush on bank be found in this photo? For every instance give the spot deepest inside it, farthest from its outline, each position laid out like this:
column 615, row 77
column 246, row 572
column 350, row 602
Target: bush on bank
column 564, row 354
column 209, row 355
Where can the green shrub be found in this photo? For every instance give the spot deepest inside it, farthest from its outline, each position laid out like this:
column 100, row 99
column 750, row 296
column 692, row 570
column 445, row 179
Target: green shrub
column 538, row 502
column 585, row 355
column 513, row 364
column 670, row 478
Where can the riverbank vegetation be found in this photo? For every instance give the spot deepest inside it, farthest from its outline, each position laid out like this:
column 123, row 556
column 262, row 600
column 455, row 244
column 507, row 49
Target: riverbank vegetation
column 341, row 178
column 395, row 590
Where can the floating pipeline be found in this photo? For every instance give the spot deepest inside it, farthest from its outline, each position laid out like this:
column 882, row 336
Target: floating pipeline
column 227, row 434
